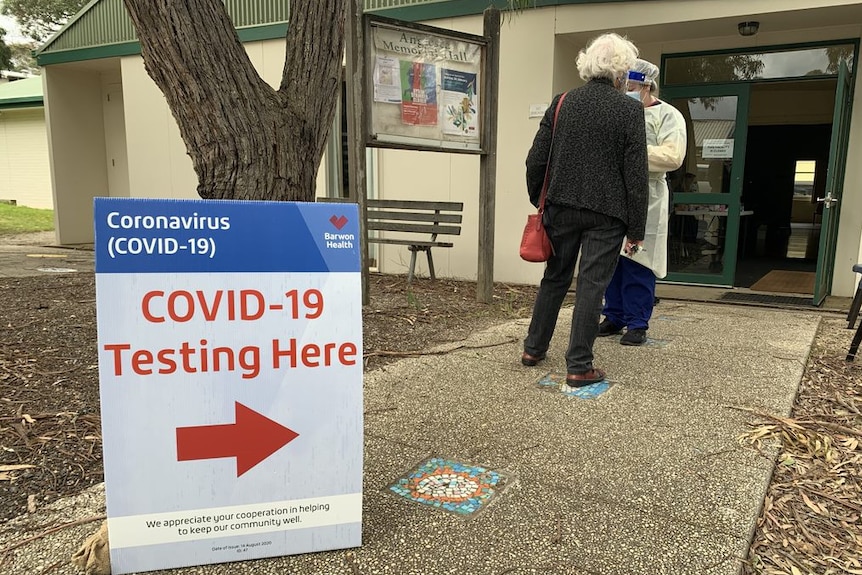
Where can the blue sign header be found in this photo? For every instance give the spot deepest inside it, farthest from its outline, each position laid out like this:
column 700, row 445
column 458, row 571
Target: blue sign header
column 135, row 235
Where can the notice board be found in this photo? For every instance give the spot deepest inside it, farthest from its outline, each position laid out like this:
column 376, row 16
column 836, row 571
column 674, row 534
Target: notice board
column 425, row 86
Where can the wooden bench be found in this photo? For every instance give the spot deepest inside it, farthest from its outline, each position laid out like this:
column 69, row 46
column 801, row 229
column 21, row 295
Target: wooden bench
column 412, row 223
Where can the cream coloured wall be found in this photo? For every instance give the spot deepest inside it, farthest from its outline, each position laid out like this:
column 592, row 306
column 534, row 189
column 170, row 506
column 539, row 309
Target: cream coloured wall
column 850, row 221
column 25, row 172
column 73, row 114
column 159, row 166
column 116, row 158
column 527, row 64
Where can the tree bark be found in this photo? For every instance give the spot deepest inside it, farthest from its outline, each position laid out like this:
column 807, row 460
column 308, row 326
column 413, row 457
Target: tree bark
column 246, row 140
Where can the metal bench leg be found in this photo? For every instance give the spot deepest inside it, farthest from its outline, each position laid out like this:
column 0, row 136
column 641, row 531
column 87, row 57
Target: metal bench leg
column 854, row 307
column 412, row 265
column 430, row 263
column 854, row 345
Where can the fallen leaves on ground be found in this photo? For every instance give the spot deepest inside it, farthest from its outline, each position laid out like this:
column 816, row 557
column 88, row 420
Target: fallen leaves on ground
column 811, row 521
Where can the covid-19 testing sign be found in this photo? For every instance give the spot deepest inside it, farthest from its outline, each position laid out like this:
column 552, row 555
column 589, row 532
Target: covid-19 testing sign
column 230, row 367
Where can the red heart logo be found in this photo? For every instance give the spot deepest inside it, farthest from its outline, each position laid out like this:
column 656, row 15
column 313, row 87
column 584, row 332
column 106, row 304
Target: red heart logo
column 338, row 222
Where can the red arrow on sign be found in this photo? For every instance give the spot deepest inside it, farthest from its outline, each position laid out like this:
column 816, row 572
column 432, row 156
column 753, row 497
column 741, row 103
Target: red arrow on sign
column 251, row 439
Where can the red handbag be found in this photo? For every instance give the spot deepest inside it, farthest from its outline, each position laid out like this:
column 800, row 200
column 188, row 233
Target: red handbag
column 535, row 243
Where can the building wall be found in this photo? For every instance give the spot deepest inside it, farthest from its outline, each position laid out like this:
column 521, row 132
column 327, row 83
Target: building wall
column 527, row 74
column 152, row 134
column 25, row 172
column 158, row 164
column 73, row 112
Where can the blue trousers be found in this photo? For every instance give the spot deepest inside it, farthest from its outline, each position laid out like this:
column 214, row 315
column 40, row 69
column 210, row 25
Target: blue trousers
column 597, row 238
column 630, row 296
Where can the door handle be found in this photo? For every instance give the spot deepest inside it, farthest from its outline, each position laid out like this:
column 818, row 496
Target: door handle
column 828, row 201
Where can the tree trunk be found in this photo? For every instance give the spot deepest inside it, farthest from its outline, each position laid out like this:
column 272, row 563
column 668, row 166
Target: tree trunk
column 246, row 140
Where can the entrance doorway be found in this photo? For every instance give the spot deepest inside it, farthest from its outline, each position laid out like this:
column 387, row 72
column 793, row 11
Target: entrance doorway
column 789, row 135
column 756, row 202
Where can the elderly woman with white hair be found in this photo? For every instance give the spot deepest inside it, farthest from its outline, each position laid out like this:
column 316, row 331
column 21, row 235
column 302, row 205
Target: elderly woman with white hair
column 595, row 159
column 630, row 297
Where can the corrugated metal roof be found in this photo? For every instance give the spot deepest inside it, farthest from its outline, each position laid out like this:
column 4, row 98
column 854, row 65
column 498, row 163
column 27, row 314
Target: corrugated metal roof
column 712, row 130
column 383, row 4
column 106, row 22
column 103, row 29
column 21, row 92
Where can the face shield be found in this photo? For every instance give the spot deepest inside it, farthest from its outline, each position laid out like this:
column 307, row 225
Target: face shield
column 635, row 83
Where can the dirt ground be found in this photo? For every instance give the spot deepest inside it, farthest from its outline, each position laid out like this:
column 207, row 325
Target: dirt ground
column 50, row 438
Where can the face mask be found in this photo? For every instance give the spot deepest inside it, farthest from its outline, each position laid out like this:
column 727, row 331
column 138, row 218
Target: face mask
column 636, row 95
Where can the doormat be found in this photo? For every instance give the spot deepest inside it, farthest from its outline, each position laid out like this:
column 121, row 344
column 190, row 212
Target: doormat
column 767, row 299
column 784, row 281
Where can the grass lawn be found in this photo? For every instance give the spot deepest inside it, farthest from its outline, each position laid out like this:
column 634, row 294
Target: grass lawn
column 20, row 220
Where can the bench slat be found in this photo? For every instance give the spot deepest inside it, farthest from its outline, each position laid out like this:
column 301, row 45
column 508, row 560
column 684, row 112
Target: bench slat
column 415, row 228
column 417, row 205
column 402, row 204
column 410, row 243
column 414, row 217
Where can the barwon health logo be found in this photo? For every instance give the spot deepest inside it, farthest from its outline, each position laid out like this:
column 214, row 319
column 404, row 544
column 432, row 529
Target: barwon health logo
column 335, row 241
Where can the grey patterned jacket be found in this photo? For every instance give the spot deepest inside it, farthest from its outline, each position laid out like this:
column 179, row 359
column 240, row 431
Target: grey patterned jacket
column 599, row 160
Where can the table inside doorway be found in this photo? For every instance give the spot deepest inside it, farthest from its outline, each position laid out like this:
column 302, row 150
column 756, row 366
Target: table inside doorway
column 712, row 214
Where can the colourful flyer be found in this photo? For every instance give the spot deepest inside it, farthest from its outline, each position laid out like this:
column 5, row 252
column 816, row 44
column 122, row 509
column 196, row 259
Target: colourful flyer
column 418, row 93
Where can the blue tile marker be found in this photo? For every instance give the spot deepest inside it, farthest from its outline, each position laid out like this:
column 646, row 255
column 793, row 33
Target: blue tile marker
column 451, row 486
column 556, row 382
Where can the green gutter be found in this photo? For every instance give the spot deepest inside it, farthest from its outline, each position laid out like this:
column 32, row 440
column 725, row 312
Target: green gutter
column 94, row 53
column 16, row 103
column 265, row 32
column 250, row 34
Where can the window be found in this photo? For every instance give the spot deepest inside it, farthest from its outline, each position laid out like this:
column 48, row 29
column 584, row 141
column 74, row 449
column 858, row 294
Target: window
column 803, row 181
column 762, row 65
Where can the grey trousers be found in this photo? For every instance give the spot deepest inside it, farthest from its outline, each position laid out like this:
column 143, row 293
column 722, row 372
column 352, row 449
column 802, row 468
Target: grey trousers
column 598, row 239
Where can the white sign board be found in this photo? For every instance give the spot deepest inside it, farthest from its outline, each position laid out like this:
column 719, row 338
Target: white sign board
column 717, row 149
column 230, row 367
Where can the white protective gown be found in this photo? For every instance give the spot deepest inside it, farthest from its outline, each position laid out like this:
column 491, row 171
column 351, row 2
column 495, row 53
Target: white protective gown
column 666, row 147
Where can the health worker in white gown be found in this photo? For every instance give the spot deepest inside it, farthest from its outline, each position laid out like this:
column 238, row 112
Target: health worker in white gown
column 630, row 297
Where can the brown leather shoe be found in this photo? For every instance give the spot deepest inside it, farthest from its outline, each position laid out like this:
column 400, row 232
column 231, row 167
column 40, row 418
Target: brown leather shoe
column 531, row 360
column 585, row 379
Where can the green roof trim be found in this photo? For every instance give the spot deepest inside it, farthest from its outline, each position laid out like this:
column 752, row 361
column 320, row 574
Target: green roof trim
column 93, row 53
column 251, row 34
column 266, row 32
column 26, row 93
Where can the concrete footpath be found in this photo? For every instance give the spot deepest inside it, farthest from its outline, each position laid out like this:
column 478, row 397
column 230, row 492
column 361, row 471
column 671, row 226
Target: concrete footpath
column 646, row 478
column 36, row 254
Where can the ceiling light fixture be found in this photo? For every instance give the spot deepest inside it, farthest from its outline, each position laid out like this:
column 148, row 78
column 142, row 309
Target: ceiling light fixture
column 749, row 28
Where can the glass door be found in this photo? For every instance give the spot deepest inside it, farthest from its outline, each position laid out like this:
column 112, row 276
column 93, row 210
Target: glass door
column 705, row 208
column 834, row 185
